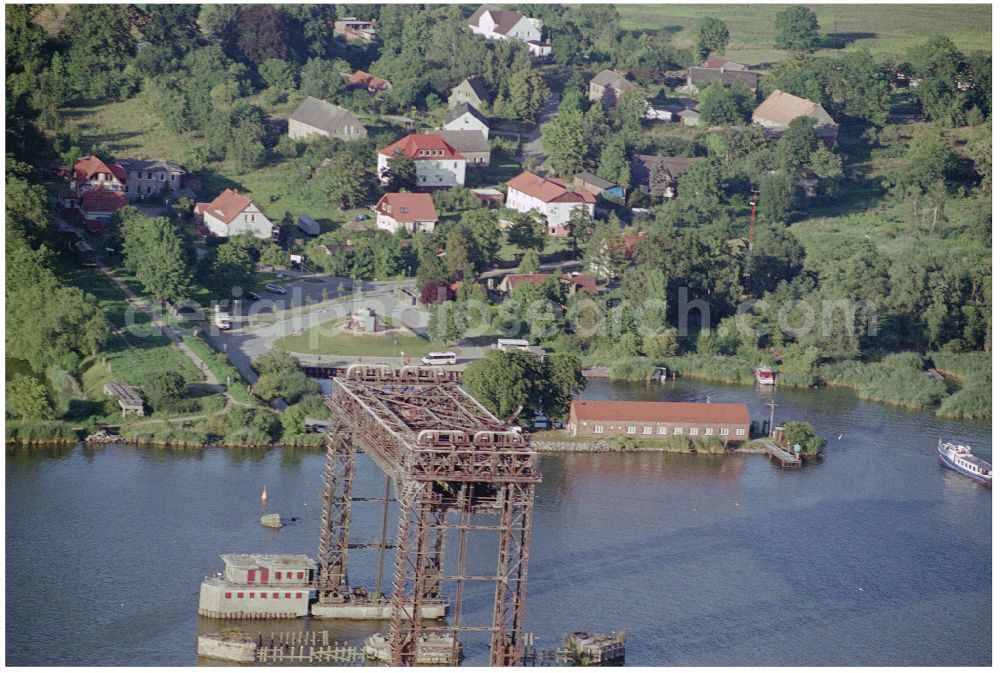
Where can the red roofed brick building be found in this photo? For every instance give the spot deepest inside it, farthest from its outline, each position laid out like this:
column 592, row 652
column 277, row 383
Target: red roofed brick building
column 438, row 163
column 412, row 212
column 575, row 282
column 362, row 80
column 658, row 420
column 99, row 204
column 231, row 214
column 550, row 197
column 90, row 172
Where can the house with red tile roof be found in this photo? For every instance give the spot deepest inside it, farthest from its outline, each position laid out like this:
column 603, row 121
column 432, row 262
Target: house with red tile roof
column 439, row 164
column 231, row 214
column 549, row 197
column 90, row 172
column 658, row 420
column 362, row 80
column 97, row 205
column 575, row 282
column 405, row 210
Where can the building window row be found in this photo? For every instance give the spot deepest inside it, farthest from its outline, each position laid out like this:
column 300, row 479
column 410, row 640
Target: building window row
column 678, row 430
column 288, row 594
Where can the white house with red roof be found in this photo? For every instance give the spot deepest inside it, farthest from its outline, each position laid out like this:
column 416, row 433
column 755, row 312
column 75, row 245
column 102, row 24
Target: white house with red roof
column 406, row 210
column 90, row 172
column 438, row 163
column 550, row 197
column 231, row 214
column 495, row 23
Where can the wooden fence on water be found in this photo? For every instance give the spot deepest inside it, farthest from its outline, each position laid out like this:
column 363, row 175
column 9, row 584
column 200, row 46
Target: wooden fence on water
column 306, row 647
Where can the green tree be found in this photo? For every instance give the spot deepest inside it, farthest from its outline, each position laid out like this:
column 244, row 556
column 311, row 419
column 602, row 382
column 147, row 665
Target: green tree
column 345, row 181
column 527, row 92
column 504, row 382
column 777, row 197
column 566, row 142
column 563, row 378
column 713, row 35
column 163, row 388
column 233, row 266
column 27, row 397
column 100, row 44
column 797, row 143
column 798, row 432
column 797, row 29
column 446, row 322
column 484, row 226
column 526, row 232
column 155, row 252
column 726, row 104
column 614, row 164
column 293, row 421
column 322, row 79
column 530, row 262
column 280, row 77
column 459, row 250
column 399, row 174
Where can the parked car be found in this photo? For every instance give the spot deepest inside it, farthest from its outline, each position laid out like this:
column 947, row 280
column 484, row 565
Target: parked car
column 277, row 289
column 253, row 296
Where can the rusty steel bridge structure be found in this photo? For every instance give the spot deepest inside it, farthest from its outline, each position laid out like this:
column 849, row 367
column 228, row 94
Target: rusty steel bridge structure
column 456, row 469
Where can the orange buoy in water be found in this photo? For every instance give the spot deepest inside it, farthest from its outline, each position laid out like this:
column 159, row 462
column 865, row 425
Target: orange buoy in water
column 263, row 495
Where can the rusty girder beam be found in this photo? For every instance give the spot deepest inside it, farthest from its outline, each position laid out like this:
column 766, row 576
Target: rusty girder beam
column 335, row 516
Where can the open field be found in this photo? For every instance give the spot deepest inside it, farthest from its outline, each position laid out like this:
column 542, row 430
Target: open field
column 882, row 29
column 320, row 340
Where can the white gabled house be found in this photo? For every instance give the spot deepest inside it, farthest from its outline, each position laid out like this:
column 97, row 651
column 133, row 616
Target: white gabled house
column 550, row 198
column 231, row 214
column 465, row 117
column 437, row 162
column 494, row 23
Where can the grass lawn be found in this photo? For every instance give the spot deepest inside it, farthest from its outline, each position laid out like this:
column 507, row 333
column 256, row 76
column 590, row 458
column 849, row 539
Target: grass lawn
column 882, row 29
column 134, row 361
column 320, row 340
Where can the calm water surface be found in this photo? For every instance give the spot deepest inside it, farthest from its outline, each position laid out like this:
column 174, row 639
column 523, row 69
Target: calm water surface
column 875, row 556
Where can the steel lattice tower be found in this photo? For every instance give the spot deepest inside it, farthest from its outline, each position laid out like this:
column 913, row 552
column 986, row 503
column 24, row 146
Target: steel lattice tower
column 448, row 458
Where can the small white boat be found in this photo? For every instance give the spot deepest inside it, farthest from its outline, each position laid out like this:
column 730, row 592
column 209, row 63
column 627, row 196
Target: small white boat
column 959, row 457
column 764, row 375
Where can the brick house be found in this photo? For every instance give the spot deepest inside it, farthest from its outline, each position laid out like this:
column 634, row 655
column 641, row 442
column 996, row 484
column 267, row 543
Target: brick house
column 549, row 197
column 318, row 117
column 438, row 163
column 231, row 214
column 658, row 420
column 410, row 211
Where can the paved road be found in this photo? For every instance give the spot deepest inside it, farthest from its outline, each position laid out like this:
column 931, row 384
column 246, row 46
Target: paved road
column 533, row 143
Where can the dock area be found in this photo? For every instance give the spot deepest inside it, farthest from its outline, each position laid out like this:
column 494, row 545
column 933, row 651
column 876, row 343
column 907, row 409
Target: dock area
column 786, row 459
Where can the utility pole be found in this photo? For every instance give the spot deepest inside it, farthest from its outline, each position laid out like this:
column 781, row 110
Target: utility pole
column 770, row 425
column 753, row 217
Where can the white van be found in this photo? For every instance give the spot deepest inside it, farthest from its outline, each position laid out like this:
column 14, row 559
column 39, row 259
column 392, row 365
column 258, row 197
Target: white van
column 222, row 319
column 447, row 358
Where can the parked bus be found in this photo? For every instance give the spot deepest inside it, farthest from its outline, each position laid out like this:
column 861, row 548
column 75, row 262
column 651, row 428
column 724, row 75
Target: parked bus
column 446, row 358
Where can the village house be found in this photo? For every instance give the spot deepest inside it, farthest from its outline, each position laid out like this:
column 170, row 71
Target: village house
column 718, row 62
column 588, row 182
column 97, row 205
column 644, row 166
column 575, row 282
column 409, row 211
column 700, row 77
column 470, row 90
column 689, row 117
column 472, row 145
column 151, row 177
column 550, row 198
column 780, row 108
column 438, row 163
column 494, row 23
column 465, row 117
column 231, row 214
column 318, row 117
column 370, row 83
column 608, row 87
column 658, row 420
column 356, row 29
column 90, row 172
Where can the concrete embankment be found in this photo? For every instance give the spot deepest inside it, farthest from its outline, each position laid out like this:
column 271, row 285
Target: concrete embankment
column 604, row 446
